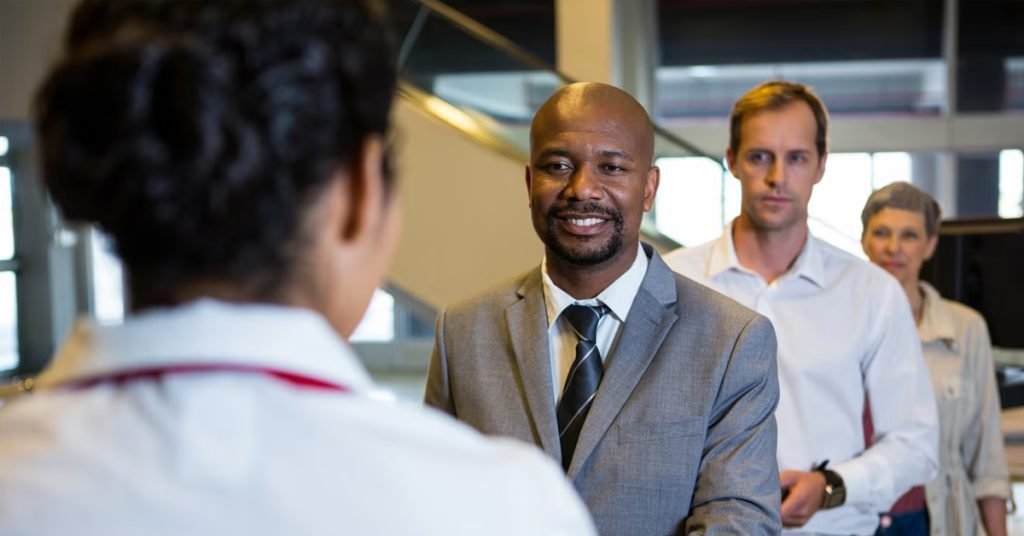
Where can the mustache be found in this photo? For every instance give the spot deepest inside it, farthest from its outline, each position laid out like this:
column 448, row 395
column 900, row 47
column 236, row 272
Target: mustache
column 586, row 207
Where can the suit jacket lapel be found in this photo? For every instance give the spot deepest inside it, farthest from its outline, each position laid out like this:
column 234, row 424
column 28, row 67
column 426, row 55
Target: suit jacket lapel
column 649, row 320
column 528, row 331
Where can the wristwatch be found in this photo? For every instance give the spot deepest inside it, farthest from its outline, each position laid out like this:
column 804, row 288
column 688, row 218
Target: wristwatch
column 835, row 491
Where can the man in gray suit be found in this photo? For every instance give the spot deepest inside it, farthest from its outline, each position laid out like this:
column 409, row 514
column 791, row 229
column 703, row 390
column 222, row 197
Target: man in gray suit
column 655, row 393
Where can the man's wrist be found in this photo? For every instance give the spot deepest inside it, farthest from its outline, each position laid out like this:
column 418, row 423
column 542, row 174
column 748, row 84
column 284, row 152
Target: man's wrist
column 835, row 490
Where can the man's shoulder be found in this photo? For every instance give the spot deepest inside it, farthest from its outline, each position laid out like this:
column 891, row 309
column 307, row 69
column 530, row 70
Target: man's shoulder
column 499, row 296
column 846, row 268
column 694, row 294
column 690, row 266
column 715, row 315
column 690, row 261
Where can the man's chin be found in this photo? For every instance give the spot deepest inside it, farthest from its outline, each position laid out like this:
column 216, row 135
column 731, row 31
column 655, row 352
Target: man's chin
column 584, row 255
column 774, row 221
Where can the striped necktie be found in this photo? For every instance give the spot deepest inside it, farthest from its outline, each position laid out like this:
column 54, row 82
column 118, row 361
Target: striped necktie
column 584, row 376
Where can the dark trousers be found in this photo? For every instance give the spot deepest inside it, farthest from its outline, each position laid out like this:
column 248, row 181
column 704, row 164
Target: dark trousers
column 905, row 524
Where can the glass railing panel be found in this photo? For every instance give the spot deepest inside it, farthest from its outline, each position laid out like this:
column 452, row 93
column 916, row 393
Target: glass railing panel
column 470, row 77
column 862, row 58
column 989, row 57
column 489, row 88
column 910, row 86
column 480, row 82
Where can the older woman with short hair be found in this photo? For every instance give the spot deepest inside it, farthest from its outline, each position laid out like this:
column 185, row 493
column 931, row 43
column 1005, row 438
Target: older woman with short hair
column 969, row 495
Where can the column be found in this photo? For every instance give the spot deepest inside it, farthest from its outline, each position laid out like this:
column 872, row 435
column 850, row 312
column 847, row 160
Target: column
column 610, row 41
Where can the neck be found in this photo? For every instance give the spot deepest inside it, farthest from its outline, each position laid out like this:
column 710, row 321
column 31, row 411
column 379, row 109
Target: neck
column 916, row 297
column 769, row 253
column 145, row 294
column 584, row 282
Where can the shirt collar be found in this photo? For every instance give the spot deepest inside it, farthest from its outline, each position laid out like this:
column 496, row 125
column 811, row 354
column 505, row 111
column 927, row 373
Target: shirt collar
column 618, row 296
column 723, row 255
column 208, row 332
column 809, row 263
column 934, row 325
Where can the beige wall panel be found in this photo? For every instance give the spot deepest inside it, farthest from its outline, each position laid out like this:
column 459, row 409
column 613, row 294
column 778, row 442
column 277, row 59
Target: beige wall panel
column 466, row 214
column 584, row 40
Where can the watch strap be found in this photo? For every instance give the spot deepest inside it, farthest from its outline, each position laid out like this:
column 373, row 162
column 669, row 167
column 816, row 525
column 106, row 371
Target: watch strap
column 835, row 490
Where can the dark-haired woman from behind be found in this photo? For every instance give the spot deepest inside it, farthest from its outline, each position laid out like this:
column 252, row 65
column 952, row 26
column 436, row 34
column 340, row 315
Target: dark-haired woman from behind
column 235, row 153
column 969, row 495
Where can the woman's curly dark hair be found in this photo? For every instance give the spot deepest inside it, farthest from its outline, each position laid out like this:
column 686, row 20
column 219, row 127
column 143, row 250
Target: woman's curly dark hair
column 195, row 133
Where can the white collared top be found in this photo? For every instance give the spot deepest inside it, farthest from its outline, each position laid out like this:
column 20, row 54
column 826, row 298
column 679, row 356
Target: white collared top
column 844, row 329
column 562, row 339
column 229, row 452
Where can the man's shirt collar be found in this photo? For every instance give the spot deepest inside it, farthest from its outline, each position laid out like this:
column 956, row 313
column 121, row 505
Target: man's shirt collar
column 618, row 296
column 809, row 264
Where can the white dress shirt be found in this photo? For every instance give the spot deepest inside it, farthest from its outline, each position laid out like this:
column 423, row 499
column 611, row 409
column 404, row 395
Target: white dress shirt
column 561, row 337
column 234, row 452
column 844, row 329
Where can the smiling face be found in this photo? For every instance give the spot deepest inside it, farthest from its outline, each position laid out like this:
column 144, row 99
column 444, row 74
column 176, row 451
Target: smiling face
column 896, row 240
column 778, row 164
column 590, row 177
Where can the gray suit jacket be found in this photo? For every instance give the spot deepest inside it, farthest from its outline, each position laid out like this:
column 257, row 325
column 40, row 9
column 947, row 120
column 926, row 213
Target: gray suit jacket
column 681, row 435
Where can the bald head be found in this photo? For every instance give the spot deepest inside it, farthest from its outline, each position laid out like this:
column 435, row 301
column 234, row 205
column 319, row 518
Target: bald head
column 590, row 180
column 587, row 106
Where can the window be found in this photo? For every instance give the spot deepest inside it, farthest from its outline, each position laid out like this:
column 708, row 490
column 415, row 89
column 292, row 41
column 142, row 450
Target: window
column 8, row 278
column 8, row 322
column 378, row 324
column 691, row 207
column 697, row 198
column 1011, row 183
column 837, row 201
column 107, row 280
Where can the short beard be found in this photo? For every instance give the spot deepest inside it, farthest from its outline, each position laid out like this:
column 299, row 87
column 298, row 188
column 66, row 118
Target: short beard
column 585, row 256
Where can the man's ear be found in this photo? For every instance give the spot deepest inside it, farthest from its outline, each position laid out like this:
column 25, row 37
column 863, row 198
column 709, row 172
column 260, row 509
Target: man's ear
column 528, row 175
column 730, row 161
column 821, row 167
column 651, row 187
column 365, row 189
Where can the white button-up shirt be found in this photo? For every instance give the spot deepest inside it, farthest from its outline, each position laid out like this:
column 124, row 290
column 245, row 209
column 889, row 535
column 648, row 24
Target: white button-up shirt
column 562, row 339
column 226, row 451
column 844, row 330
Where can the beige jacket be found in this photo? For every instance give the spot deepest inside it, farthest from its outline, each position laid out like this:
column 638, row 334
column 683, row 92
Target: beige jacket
column 972, row 460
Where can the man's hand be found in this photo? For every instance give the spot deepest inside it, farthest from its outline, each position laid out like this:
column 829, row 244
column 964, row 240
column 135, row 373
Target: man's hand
column 802, row 494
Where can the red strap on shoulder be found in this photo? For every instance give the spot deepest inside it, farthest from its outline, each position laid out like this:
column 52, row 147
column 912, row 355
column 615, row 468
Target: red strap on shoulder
column 300, row 381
